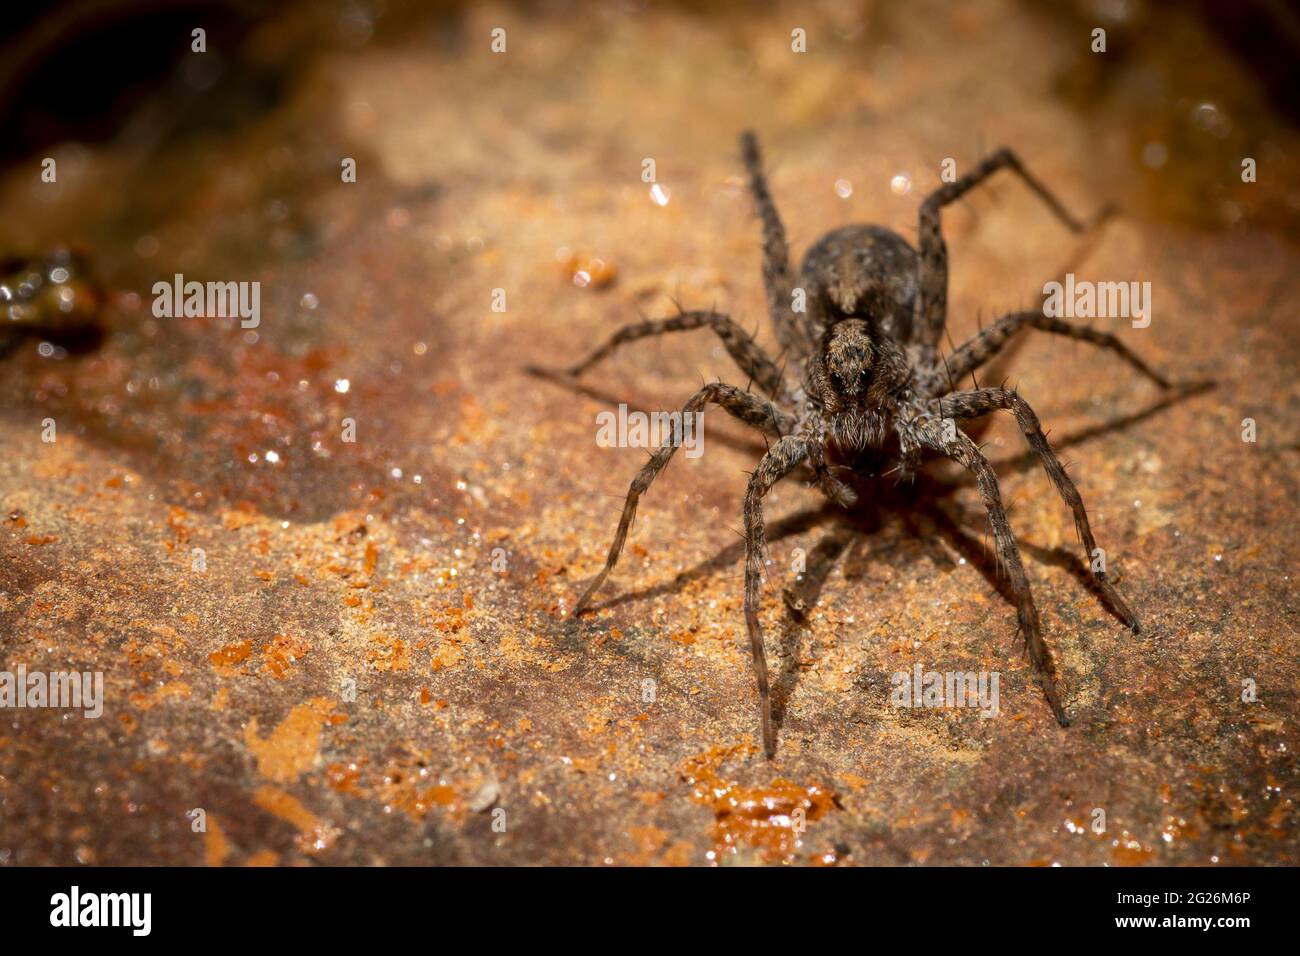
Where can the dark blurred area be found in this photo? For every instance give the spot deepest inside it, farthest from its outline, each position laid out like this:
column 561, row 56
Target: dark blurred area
column 96, row 71
column 79, row 69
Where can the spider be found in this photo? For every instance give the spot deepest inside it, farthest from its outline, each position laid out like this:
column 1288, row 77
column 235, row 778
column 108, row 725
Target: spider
column 864, row 386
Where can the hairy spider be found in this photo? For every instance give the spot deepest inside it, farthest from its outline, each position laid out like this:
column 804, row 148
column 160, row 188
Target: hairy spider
column 866, row 386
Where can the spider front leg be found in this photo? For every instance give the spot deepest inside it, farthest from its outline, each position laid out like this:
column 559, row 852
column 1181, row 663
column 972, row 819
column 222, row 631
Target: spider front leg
column 748, row 408
column 748, row 354
column 962, row 450
column 982, row 347
column 779, row 461
column 931, row 309
column 981, row 401
column 778, row 281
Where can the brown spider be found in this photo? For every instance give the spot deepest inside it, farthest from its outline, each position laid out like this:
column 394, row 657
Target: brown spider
column 868, row 386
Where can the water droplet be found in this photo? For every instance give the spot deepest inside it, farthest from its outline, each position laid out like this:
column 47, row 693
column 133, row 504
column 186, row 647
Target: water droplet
column 1155, row 155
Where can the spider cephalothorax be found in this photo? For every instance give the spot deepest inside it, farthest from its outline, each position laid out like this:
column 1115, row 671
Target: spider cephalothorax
column 864, row 385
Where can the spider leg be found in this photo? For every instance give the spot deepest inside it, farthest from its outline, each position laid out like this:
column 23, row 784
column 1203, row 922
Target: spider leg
column 748, row 354
column 982, row 347
column 778, row 280
column 748, row 408
column 834, row 489
column 779, row 461
column 965, row 452
column 976, row 402
column 932, row 267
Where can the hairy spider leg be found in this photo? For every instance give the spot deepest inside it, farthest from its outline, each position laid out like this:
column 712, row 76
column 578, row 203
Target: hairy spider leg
column 932, row 267
column 982, row 401
column 745, row 406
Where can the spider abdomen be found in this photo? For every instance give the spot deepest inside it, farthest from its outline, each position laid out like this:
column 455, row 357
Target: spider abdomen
column 860, row 271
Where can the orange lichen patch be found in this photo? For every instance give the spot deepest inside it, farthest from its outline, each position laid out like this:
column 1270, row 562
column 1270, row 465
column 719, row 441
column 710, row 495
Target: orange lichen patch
column 581, row 764
column 292, row 747
column 263, row 858
column 679, row 854
column 769, row 819
column 647, row 841
column 442, row 796
column 282, row 653
column 215, row 845
column 314, row 834
column 142, row 700
column 231, row 655
column 533, row 649
column 343, row 777
column 176, row 521
column 388, row 654
column 449, row 618
column 234, row 520
column 176, row 688
column 407, row 785
column 447, row 654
